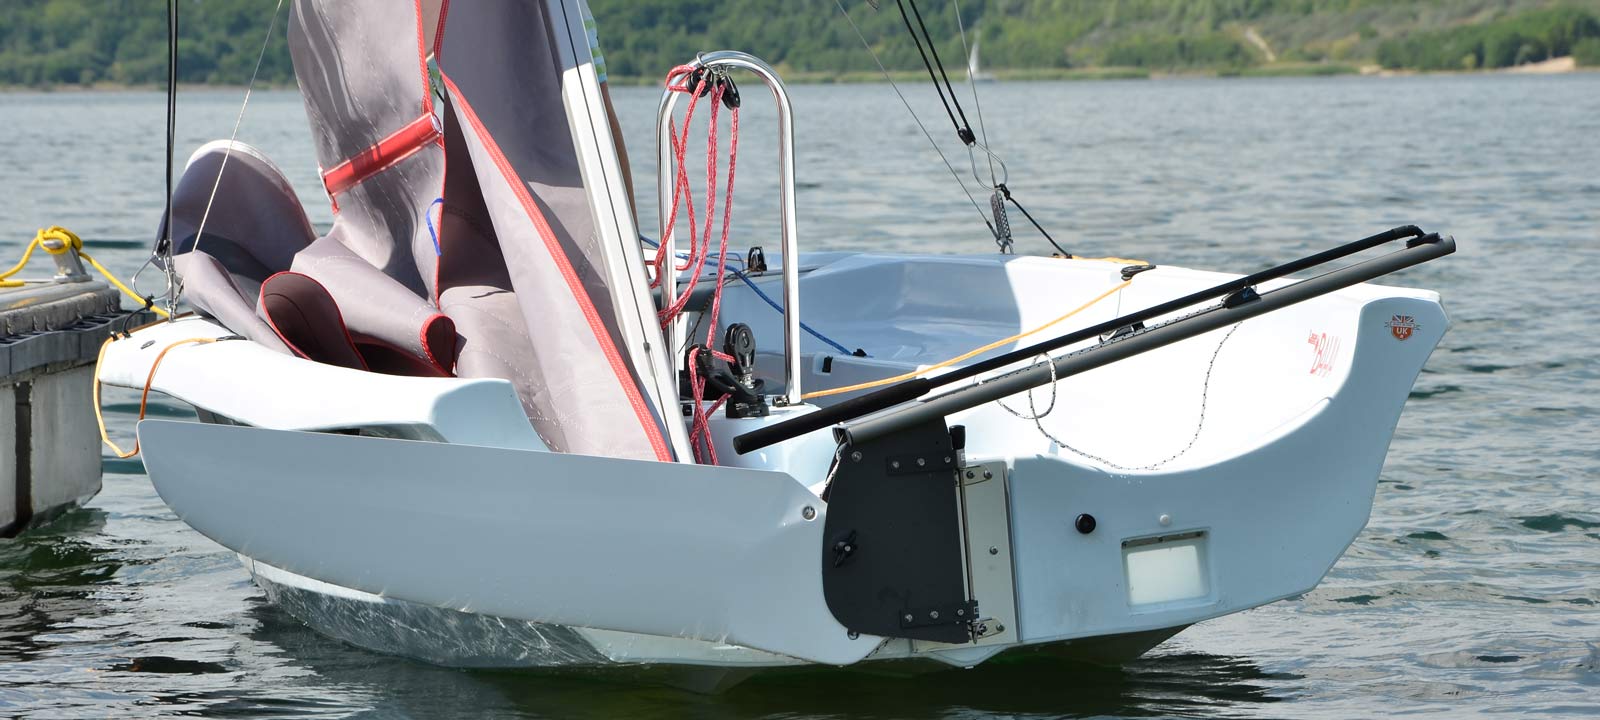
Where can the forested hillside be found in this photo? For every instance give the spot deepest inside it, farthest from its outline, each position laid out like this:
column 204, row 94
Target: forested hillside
column 69, row 42
column 73, row 42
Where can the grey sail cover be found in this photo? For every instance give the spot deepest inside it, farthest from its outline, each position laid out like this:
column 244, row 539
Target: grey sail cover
column 480, row 226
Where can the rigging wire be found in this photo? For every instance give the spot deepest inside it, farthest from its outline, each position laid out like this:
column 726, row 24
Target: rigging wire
column 927, row 49
column 161, row 254
column 1002, row 194
column 963, row 128
column 886, row 76
column 1006, row 191
column 266, row 42
column 172, row 120
column 972, row 82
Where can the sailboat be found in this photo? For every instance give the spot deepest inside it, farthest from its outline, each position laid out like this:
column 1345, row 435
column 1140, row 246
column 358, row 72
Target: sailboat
column 974, row 73
column 479, row 423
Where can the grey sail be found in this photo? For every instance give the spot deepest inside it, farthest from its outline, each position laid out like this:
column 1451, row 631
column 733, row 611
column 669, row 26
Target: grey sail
column 475, row 234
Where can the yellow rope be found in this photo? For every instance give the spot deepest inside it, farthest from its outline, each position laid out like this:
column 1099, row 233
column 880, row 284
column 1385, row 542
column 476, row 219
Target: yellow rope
column 26, row 256
column 144, row 397
column 1119, row 261
column 66, row 241
column 971, row 353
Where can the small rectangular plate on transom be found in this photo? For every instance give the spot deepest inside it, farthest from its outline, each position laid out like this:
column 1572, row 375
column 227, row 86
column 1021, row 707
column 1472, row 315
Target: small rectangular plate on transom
column 1166, row 570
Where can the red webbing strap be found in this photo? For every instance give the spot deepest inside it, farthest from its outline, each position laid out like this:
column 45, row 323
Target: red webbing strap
column 401, row 144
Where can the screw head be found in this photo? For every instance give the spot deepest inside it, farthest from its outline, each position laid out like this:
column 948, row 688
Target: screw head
column 895, row 464
column 856, row 456
column 999, row 628
column 933, row 614
column 1165, row 520
column 809, row 513
column 988, row 475
column 994, row 550
column 853, row 635
column 921, row 462
column 961, row 612
column 908, row 617
column 1085, row 523
column 971, row 474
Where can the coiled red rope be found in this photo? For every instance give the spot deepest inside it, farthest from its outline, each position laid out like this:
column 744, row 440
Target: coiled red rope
column 705, row 84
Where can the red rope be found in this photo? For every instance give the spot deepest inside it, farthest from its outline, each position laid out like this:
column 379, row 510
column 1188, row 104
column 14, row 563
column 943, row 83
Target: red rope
column 699, row 253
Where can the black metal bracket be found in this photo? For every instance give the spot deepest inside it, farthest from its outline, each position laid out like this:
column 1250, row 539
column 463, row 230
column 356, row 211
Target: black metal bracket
column 962, row 614
column 920, row 463
column 1241, row 297
column 892, row 544
column 1428, row 239
column 1131, row 270
column 1122, row 332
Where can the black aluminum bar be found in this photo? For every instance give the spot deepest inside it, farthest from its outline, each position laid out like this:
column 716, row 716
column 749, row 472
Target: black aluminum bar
column 1171, row 306
column 911, row 389
column 1146, row 340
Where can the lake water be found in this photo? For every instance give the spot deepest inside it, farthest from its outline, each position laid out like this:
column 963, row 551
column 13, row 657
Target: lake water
column 1475, row 590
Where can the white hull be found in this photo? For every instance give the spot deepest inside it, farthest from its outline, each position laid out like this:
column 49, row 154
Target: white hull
column 523, row 557
column 453, row 638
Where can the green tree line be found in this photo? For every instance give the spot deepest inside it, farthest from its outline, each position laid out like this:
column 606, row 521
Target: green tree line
column 1515, row 40
column 80, row 42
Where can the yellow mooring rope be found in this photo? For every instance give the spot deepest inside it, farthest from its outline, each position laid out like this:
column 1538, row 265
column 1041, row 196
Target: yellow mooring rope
column 144, row 397
column 57, row 240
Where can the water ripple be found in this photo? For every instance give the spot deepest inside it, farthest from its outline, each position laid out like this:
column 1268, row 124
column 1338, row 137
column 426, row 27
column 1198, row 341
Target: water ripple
column 1471, row 591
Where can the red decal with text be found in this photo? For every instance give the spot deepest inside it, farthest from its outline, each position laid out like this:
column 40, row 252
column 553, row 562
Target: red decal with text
column 1327, row 348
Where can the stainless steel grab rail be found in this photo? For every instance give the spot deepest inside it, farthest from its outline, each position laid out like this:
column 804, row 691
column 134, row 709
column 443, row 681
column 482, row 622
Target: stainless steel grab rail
column 665, row 172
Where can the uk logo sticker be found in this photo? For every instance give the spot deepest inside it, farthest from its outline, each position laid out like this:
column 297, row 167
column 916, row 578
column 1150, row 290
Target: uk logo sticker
column 1402, row 326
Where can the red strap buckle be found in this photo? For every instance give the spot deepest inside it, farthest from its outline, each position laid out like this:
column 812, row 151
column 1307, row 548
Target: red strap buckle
column 401, row 144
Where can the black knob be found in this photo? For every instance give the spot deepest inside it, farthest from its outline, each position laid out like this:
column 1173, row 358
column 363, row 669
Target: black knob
column 1085, row 523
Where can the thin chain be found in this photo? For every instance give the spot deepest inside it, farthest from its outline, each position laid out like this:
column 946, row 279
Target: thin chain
column 1037, row 417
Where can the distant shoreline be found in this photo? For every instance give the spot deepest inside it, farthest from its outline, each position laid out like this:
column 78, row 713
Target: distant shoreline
column 1553, row 66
